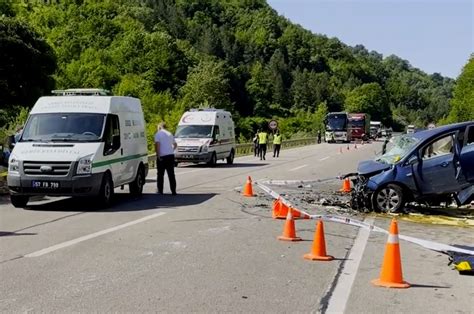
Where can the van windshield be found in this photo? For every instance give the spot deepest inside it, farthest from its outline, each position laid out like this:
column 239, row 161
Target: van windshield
column 64, row 127
column 194, row 131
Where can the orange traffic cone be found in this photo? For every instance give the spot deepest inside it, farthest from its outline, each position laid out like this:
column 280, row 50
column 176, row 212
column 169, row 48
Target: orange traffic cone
column 248, row 190
column 318, row 250
column 346, row 186
column 277, row 209
column 348, row 147
column 289, row 231
column 391, row 273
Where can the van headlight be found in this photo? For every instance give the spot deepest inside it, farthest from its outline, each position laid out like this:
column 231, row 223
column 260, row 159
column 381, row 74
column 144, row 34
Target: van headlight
column 84, row 165
column 203, row 149
column 13, row 165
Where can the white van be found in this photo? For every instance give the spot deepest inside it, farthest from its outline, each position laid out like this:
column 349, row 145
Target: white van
column 205, row 135
column 79, row 143
column 410, row 129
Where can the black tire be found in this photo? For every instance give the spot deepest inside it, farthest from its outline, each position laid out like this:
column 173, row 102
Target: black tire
column 19, row 201
column 389, row 199
column 230, row 159
column 136, row 187
column 213, row 160
column 106, row 193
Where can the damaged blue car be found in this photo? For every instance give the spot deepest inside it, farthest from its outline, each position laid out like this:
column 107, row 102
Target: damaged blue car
column 429, row 167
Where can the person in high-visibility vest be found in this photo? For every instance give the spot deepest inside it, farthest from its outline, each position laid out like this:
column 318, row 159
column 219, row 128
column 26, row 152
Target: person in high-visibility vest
column 262, row 144
column 276, row 144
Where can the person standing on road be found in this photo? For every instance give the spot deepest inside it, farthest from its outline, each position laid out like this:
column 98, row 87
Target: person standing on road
column 262, row 144
column 276, row 144
column 164, row 147
column 319, row 136
column 255, row 144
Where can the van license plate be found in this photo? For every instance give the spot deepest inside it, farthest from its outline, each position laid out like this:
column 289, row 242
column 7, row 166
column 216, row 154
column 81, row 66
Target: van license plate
column 50, row 185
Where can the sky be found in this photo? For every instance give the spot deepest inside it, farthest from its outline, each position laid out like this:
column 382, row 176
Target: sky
column 433, row 35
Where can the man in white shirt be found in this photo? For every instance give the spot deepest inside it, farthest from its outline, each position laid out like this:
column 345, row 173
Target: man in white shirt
column 164, row 147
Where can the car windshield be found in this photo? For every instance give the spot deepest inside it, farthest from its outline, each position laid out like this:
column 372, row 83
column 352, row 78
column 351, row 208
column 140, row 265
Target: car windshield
column 400, row 147
column 194, row 131
column 64, row 127
column 337, row 123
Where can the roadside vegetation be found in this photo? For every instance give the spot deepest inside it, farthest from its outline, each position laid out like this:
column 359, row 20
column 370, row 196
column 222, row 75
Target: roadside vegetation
column 235, row 54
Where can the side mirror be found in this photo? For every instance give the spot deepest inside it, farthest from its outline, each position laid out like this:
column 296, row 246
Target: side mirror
column 412, row 160
column 11, row 141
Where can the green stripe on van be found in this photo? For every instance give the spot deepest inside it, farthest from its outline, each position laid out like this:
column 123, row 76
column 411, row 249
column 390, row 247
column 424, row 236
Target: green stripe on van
column 113, row 161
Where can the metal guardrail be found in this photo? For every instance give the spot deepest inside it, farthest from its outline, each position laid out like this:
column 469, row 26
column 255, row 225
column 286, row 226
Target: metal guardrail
column 247, row 148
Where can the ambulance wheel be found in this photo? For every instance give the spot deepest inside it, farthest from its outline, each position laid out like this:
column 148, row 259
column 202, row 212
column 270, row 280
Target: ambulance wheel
column 136, row 187
column 213, row 160
column 19, row 201
column 230, row 159
column 106, row 191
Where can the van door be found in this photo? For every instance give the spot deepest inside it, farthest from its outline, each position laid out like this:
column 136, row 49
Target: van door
column 113, row 150
column 466, row 157
column 436, row 173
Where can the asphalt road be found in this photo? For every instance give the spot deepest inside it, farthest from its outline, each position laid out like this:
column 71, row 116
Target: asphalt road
column 211, row 250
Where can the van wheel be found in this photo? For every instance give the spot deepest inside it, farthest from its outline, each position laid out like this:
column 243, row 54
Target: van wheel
column 136, row 187
column 106, row 193
column 389, row 199
column 213, row 160
column 230, row 159
column 19, row 201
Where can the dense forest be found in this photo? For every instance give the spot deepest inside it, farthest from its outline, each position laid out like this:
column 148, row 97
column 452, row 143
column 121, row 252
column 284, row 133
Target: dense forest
column 234, row 54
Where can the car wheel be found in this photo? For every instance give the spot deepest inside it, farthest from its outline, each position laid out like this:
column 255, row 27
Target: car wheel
column 106, row 193
column 230, row 159
column 213, row 160
column 19, row 201
column 389, row 198
column 136, row 187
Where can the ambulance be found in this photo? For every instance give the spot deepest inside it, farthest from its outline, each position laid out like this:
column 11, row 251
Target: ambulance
column 80, row 142
column 205, row 135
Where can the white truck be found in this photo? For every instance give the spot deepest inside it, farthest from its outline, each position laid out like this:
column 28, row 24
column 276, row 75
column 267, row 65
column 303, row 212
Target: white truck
column 80, row 142
column 205, row 135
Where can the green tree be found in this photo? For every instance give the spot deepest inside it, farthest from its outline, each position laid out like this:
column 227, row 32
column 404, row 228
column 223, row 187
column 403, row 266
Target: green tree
column 369, row 98
column 462, row 104
column 207, row 85
column 27, row 63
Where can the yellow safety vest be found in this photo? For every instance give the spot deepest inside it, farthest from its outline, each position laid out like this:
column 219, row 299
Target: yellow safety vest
column 277, row 139
column 262, row 138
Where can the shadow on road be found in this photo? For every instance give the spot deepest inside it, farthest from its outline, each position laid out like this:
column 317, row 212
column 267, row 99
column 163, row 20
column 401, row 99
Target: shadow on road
column 13, row 233
column 124, row 202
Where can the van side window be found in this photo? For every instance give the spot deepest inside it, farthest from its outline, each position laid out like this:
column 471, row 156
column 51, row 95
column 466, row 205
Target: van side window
column 440, row 147
column 112, row 129
column 215, row 132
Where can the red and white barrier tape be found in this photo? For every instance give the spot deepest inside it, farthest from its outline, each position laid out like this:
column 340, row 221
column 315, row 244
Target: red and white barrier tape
column 431, row 245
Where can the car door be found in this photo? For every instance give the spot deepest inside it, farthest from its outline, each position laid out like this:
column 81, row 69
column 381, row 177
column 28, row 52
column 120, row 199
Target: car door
column 436, row 172
column 466, row 157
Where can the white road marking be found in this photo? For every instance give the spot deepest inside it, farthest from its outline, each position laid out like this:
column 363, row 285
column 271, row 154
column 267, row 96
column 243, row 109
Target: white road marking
column 297, row 168
column 91, row 236
column 327, row 157
column 342, row 290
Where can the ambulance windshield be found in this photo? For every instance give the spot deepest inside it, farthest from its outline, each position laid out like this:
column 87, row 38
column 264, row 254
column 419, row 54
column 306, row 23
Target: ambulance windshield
column 194, row 131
